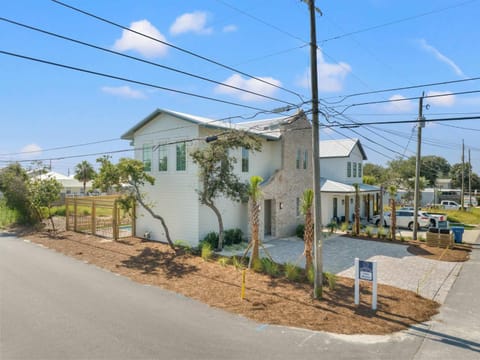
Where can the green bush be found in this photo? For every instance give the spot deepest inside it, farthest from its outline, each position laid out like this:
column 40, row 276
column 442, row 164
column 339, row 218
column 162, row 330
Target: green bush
column 381, row 233
column 223, row 261
column 207, row 251
column 292, row 272
column 332, row 226
column 270, row 267
column 233, row 236
column 212, row 239
column 300, row 231
column 330, row 279
column 344, row 226
column 369, row 231
column 237, row 263
column 59, row 211
column 311, row 274
column 257, row 266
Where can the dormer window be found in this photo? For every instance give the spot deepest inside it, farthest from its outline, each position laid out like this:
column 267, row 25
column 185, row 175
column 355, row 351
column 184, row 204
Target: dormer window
column 354, row 169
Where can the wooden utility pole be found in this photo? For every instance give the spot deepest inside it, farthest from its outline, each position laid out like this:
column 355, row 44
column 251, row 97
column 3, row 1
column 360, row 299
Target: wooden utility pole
column 317, row 213
column 416, row 196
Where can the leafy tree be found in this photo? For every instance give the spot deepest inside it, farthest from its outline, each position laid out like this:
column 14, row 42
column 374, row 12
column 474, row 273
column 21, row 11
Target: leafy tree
column 370, row 180
column 255, row 194
column 14, row 186
column 308, row 235
column 434, row 167
column 376, row 172
column 128, row 172
column 216, row 167
column 456, row 176
column 43, row 193
column 84, row 172
column 400, row 171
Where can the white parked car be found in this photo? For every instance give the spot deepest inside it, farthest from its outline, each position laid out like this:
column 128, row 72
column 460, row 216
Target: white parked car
column 450, row 205
column 404, row 219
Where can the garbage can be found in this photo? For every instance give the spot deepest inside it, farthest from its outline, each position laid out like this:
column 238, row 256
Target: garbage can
column 457, row 233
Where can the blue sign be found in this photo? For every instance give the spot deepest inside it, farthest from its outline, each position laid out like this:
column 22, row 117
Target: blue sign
column 365, row 270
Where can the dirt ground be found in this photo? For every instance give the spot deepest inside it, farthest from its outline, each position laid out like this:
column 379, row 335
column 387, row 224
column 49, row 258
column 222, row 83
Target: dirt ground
column 272, row 300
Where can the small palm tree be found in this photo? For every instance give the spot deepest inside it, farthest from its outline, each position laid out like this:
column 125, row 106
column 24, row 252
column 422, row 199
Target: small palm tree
column 255, row 194
column 84, row 172
column 392, row 191
column 306, row 209
column 357, row 208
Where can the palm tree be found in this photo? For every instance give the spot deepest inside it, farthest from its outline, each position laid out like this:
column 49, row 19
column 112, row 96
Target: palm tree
column 255, row 194
column 306, row 209
column 357, row 209
column 392, row 191
column 84, row 172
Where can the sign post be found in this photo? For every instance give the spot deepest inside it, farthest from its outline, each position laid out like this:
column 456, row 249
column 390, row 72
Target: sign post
column 366, row 270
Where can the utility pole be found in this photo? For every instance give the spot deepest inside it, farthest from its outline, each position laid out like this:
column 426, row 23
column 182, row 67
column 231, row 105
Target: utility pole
column 469, row 179
column 416, row 196
column 463, row 176
column 318, row 253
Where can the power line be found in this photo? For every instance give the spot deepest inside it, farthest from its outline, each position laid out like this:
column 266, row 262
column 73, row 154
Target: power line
column 129, row 80
column 174, row 47
column 140, row 60
column 395, row 22
column 401, row 122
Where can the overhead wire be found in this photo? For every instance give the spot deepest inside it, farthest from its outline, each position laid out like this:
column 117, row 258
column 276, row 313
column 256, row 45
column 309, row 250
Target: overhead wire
column 191, row 53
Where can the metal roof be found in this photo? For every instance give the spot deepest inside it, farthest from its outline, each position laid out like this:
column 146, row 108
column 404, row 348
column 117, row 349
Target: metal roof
column 340, row 148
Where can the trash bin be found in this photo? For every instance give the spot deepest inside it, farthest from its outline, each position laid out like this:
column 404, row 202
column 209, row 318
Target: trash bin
column 457, row 233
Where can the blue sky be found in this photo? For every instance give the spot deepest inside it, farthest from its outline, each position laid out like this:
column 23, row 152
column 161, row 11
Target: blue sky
column 364, row 46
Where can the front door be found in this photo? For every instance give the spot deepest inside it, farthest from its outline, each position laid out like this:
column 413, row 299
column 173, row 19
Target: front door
column 268, row 217
column 335, row 208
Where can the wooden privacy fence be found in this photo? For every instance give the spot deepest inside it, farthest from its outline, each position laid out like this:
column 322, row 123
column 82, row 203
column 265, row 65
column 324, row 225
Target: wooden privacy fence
column 99, row 216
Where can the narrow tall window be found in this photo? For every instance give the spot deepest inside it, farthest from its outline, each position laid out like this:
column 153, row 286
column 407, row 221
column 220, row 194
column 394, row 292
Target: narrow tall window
column 147, row 157
column 349, row 169
column 354, row 169
column 359, row 169
column 297, row 206
column 244, row 160
column 181, row 157
column 163, row 158
column 305, row 159
column 299, row 155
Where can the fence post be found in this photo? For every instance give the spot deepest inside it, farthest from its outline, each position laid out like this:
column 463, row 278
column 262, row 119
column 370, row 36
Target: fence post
column 94, row 218
column 115, row 221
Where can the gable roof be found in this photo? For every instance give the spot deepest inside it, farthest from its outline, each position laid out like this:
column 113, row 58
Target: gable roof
column 340, row 148
column 268, row 128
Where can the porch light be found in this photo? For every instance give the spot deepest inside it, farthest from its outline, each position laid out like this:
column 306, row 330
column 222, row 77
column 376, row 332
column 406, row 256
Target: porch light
column 280, row 205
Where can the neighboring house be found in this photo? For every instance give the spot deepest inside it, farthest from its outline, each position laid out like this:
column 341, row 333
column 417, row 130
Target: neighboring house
column 70, row 185
column 164, row 139
column 443, row 183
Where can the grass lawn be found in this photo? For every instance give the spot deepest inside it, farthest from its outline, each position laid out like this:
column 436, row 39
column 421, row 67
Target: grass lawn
column 466, row 218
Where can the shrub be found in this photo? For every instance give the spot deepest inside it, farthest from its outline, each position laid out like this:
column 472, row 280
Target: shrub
column 292, row 272
column 330, row 279
column 311, row 274
column 59, row 211
column 183, row 245
column 212, row 239
column 237, row 263
column 270, row 267
column 207, row 251
column 369, row 231
column 233, row 236
column 333, row 226
column 381, row 233
column 257, row 265
column 300, row 231
column 344, row 227
column 223, row 261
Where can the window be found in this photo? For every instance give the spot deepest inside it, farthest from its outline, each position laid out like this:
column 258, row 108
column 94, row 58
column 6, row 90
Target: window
column 299, row 154
column 147, row 157
column 359, row 169
column 305, row 159
column 349, row 169
column 297, row 206
column 163, row 158
column 181, row 157
column 244, row 160
column 354, row 169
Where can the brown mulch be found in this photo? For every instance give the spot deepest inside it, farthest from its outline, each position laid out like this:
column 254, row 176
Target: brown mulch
column 457, row 253
column 268, row 300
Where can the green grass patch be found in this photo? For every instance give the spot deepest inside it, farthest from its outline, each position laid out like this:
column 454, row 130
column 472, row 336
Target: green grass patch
column 7, row 216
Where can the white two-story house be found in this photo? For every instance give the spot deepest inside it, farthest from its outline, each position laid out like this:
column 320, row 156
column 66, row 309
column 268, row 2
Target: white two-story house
column 164, row 139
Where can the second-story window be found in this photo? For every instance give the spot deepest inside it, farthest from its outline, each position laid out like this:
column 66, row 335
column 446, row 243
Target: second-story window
column 181, row 157
column 163, row 158
column 244, row 160
column 359, row 169
column 297, row 206
column 298, row 159
column 349, row 169
column 305, row 159
column 147, row 157
column 354, row 169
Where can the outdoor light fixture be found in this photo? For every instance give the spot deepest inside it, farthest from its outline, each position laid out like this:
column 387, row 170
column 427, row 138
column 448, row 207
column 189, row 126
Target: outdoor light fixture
column 280, row 205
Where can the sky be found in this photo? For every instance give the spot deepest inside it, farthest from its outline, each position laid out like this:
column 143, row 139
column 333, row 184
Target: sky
column 63, row 116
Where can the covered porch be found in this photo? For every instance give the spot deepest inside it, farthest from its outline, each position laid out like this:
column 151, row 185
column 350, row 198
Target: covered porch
column 338, row 201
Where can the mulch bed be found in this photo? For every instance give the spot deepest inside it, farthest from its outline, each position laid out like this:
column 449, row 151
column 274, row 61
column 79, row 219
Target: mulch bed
column 271, row 300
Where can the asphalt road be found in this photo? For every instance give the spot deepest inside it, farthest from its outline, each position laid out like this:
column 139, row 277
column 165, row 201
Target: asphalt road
column 56, row 307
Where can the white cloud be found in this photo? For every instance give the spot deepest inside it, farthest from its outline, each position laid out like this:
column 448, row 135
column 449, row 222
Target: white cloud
column 230, row 28
column 429, row 48
column 124, row 91
column 248, row 84
column 145, row 46
column 447, row 100
column 194, row 22
column 330, row 75
column 29, row 149
column 397, row 105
